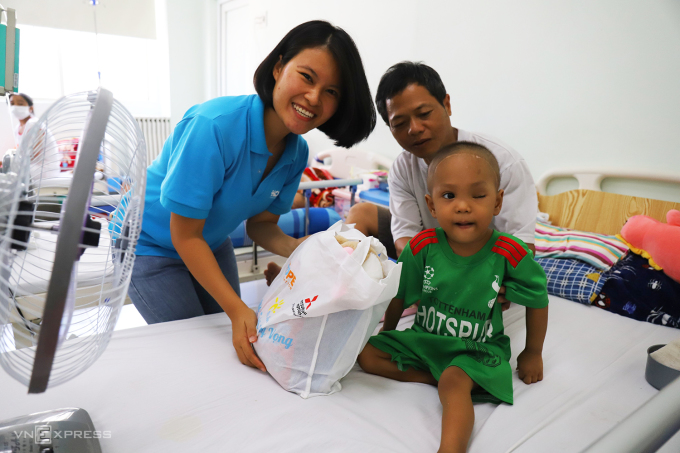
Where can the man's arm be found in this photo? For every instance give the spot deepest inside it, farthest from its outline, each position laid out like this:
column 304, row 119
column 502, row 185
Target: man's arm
column 400, row 244
column 406, row 220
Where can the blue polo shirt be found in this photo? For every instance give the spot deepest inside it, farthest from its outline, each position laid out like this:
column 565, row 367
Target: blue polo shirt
column 211, row 168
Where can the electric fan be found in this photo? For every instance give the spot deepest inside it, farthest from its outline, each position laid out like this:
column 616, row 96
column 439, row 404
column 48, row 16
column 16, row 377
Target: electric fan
column 67, row 239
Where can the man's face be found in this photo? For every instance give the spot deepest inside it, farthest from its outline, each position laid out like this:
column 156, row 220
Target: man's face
column 419, row 123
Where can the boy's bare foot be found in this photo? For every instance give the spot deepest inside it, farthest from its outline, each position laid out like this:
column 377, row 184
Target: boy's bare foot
column 271, row 272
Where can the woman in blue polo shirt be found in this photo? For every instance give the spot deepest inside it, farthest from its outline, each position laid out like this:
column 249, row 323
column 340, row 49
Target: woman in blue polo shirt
column 232, row 159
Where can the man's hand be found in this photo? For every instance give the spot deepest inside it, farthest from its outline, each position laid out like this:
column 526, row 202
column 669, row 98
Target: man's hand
column 244, row 333
column 530, row 366
column 505, row 303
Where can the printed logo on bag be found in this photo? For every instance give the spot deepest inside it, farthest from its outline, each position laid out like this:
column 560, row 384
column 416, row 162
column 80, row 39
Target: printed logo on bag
column 277, row 304
column 275, row 193
column 290, row 278
column 300, row 308
column 275, row 337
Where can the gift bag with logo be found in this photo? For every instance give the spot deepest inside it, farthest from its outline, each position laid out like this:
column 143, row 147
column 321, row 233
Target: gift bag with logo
column 321, row 309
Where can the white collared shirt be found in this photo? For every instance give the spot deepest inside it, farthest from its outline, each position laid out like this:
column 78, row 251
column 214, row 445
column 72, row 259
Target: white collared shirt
column 408, row 186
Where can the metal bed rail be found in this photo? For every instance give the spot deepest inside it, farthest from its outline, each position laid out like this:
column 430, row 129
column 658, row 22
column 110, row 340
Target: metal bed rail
column 646, row 429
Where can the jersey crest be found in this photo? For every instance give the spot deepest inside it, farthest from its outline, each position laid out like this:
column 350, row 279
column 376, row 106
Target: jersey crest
column 420, row 240
column 510, row 249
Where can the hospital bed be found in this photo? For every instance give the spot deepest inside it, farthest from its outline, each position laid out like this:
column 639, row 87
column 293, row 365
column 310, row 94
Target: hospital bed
column 178, row 386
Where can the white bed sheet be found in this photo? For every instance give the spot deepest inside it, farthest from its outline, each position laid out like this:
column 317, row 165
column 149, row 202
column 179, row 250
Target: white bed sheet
column 178, row 387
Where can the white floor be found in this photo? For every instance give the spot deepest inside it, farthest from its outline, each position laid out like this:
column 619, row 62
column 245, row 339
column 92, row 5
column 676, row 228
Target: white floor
column 251, row 294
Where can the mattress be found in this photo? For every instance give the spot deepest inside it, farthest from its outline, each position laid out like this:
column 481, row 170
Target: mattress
column 178, row 387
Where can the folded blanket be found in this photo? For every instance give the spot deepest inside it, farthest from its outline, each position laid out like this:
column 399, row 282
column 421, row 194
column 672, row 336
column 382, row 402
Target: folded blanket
column 598, row 250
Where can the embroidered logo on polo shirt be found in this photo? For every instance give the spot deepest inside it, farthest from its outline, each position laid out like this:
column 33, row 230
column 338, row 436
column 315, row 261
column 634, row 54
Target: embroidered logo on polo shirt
column 275, row 193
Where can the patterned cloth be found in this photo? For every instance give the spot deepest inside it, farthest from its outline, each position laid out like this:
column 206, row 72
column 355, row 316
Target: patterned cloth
column 636, row 290
column 572, row 279
column 598, row 250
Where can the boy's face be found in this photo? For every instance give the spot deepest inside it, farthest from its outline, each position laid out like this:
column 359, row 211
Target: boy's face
column 464, row 199
column 419, row 123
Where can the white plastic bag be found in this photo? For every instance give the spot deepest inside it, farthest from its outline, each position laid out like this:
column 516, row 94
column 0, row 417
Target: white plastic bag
column 320, row 311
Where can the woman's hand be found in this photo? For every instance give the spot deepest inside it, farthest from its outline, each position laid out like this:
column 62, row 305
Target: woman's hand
column 244, row 334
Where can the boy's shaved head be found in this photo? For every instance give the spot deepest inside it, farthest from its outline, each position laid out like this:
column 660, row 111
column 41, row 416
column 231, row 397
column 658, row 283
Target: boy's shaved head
column 468, row 148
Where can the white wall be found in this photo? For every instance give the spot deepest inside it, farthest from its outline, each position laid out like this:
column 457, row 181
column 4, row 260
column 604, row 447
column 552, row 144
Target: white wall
column 192, row 37
column 566, row 83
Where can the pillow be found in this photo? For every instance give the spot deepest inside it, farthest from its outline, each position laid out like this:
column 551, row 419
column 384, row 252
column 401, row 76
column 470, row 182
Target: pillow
column 572, row 279
column 598, row 250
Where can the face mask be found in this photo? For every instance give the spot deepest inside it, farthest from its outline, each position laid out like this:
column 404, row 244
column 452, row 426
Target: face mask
column 20, row 112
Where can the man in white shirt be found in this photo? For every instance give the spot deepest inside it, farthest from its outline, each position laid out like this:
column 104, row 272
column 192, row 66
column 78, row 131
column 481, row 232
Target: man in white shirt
column 412, row 101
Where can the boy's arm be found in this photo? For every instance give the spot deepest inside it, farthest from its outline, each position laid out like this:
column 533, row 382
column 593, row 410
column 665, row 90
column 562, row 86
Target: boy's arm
column 530, row 361
column 393, row 314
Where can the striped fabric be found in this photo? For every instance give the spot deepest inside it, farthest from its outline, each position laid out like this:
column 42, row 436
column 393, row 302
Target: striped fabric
column 422, row 239
column 598, row 250
column 510, row 249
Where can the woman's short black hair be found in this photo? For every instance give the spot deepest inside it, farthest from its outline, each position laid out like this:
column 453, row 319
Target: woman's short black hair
column 398, row 77
column 355, row 117
column 28, row 99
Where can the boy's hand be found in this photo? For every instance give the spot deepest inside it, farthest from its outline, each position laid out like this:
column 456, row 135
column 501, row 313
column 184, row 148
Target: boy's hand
column 530, row 366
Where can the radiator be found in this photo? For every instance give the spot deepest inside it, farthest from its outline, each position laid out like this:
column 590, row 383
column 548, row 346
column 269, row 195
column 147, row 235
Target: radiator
column 156, row 131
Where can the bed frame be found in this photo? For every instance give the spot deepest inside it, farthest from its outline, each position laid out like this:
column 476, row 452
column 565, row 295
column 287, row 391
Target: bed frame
column 589, row 209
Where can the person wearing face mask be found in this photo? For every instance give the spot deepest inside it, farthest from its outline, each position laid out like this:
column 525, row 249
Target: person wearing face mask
column 45, row 159
column 240, row 158
column 21, row 108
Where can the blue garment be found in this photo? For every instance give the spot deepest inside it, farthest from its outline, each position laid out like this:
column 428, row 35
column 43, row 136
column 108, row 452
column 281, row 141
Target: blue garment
column 163, row 289
column 211, row 168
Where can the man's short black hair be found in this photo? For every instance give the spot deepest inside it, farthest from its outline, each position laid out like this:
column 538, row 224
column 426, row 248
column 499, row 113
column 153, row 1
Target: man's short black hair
column 459, row 148
column 398, row 77
column 28, row 99
column 354, row 120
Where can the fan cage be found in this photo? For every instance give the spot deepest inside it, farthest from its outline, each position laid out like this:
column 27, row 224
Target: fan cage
column 41, row 174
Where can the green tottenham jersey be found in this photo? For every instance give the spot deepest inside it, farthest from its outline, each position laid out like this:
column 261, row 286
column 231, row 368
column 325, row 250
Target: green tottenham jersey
column 458, row 321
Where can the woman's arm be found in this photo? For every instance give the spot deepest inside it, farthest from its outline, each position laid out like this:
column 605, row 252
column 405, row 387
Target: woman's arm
column 187, row 238
column 264, row 231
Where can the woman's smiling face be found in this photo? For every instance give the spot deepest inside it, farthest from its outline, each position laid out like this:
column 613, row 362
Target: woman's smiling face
column 307, row 91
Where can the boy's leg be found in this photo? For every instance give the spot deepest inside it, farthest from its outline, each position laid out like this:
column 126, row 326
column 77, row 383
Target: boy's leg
column 458, row 416
column 374, row 361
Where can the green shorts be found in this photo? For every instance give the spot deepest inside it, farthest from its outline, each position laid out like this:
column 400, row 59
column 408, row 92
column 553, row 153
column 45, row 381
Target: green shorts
column 485, row 363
